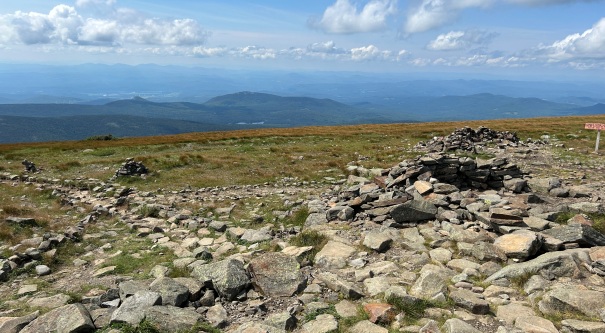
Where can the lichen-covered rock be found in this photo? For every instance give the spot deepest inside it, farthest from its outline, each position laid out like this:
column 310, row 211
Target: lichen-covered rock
column 276, row 274
column 228, row 277
column 71, row 318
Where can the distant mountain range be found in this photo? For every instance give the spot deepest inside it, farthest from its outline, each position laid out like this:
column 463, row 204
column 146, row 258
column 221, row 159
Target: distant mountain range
column 140, row 117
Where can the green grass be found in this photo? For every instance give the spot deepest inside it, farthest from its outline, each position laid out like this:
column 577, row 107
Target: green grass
column 310, row 238
column 414, row 308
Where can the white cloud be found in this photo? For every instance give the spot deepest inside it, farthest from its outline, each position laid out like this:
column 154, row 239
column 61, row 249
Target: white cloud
column 206, row 52
column 254, row 52
column 588, row 45
column 546, row 2
column 63, row 25
column 343, row 17
column 325, row 47
column 431, row 14
column 95, row 3
column 458, row 40
column 369, row 52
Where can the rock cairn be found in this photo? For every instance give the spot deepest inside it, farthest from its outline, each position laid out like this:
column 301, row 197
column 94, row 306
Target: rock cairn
column 29, row 166
column 131, row 168
column 468, row 139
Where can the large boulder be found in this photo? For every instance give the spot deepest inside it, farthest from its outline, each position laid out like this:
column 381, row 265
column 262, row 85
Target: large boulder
column 414, row 211
column 71, row 318
column 172, row 292
column 276, row 274
column 132, row 310
column 228, row 277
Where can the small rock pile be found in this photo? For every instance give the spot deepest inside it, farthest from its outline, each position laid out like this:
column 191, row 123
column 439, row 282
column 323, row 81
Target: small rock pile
column 468, row 139
column 131, row 168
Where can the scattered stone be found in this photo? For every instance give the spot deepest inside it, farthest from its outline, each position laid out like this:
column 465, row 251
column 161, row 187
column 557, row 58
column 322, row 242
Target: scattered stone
column 228, row 277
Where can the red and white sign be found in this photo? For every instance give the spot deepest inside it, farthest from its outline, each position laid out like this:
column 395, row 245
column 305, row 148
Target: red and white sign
column 594, row 126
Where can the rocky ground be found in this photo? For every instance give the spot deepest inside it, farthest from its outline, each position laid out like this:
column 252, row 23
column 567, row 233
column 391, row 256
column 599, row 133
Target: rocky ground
column 507, row 242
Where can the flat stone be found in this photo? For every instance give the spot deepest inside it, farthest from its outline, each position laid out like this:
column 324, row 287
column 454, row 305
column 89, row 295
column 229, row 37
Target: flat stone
column 49, row 302
column 256, row 236
column 431, row 282
column 27, row 289
column 535, row 324
column 323, row 323
column 510, row 312
column 470, row 301
column 521, row 244
column 276, row 274
column 16, row 324
column 550, row 265
column 282, row 320
column 346, row 308
column 339, row 285
column 441, row 255
column 535, row 223
column 366, row 326
column 572, row 300
column 584, row 235
column 456, row 325
column 217, row 316
column 377, row 241
column 256, row 327
column 169, row 318
column 423, row 187
column 333, row 255
column 42, row 270
column 71, row 318
column 580, row 326
column 104, row 271
column 377, row 285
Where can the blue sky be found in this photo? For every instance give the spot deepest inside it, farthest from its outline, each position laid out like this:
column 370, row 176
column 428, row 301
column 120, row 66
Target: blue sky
column 543, row 38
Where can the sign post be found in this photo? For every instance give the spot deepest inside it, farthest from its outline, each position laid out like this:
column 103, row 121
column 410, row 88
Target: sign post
column 598, row 127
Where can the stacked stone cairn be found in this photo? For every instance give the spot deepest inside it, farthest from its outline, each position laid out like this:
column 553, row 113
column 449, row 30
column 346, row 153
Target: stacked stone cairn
column 468, row 139
column 131, row 168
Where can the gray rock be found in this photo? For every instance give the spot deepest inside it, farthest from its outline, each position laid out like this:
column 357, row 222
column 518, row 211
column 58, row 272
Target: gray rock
column 431, row 282
column 323, row 323
column 172, row 292
column 49, row 302
column 14, row 325
column 488, row 252
column 254, row 327
column 377, row 241
column 572, row 300
column 132, row 310
column 282, row 320
column 467, row 299
column 255, row 236
column 228, row 277
column 315, row 219
column 366, row 326
column 71, row 318
column 337, row 284
column 535, row 223
column 172, row 319
column 276, row 274
column 550, row 265
column 42, row 270
column 582, row 234
column 535, row 324
column 129, row 288
column 510, row 312
column 346, row 308
column 586, row 207
column 333, row 255
column 521, row 244
column 217, row 316
column 580, row 326
column 456, row 325
column 414, row 211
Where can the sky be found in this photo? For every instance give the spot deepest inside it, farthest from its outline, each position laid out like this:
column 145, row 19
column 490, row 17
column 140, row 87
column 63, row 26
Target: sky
column 549, row 38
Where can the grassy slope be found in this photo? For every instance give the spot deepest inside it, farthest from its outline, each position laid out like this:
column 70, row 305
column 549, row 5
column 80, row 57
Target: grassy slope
column 256, row 156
